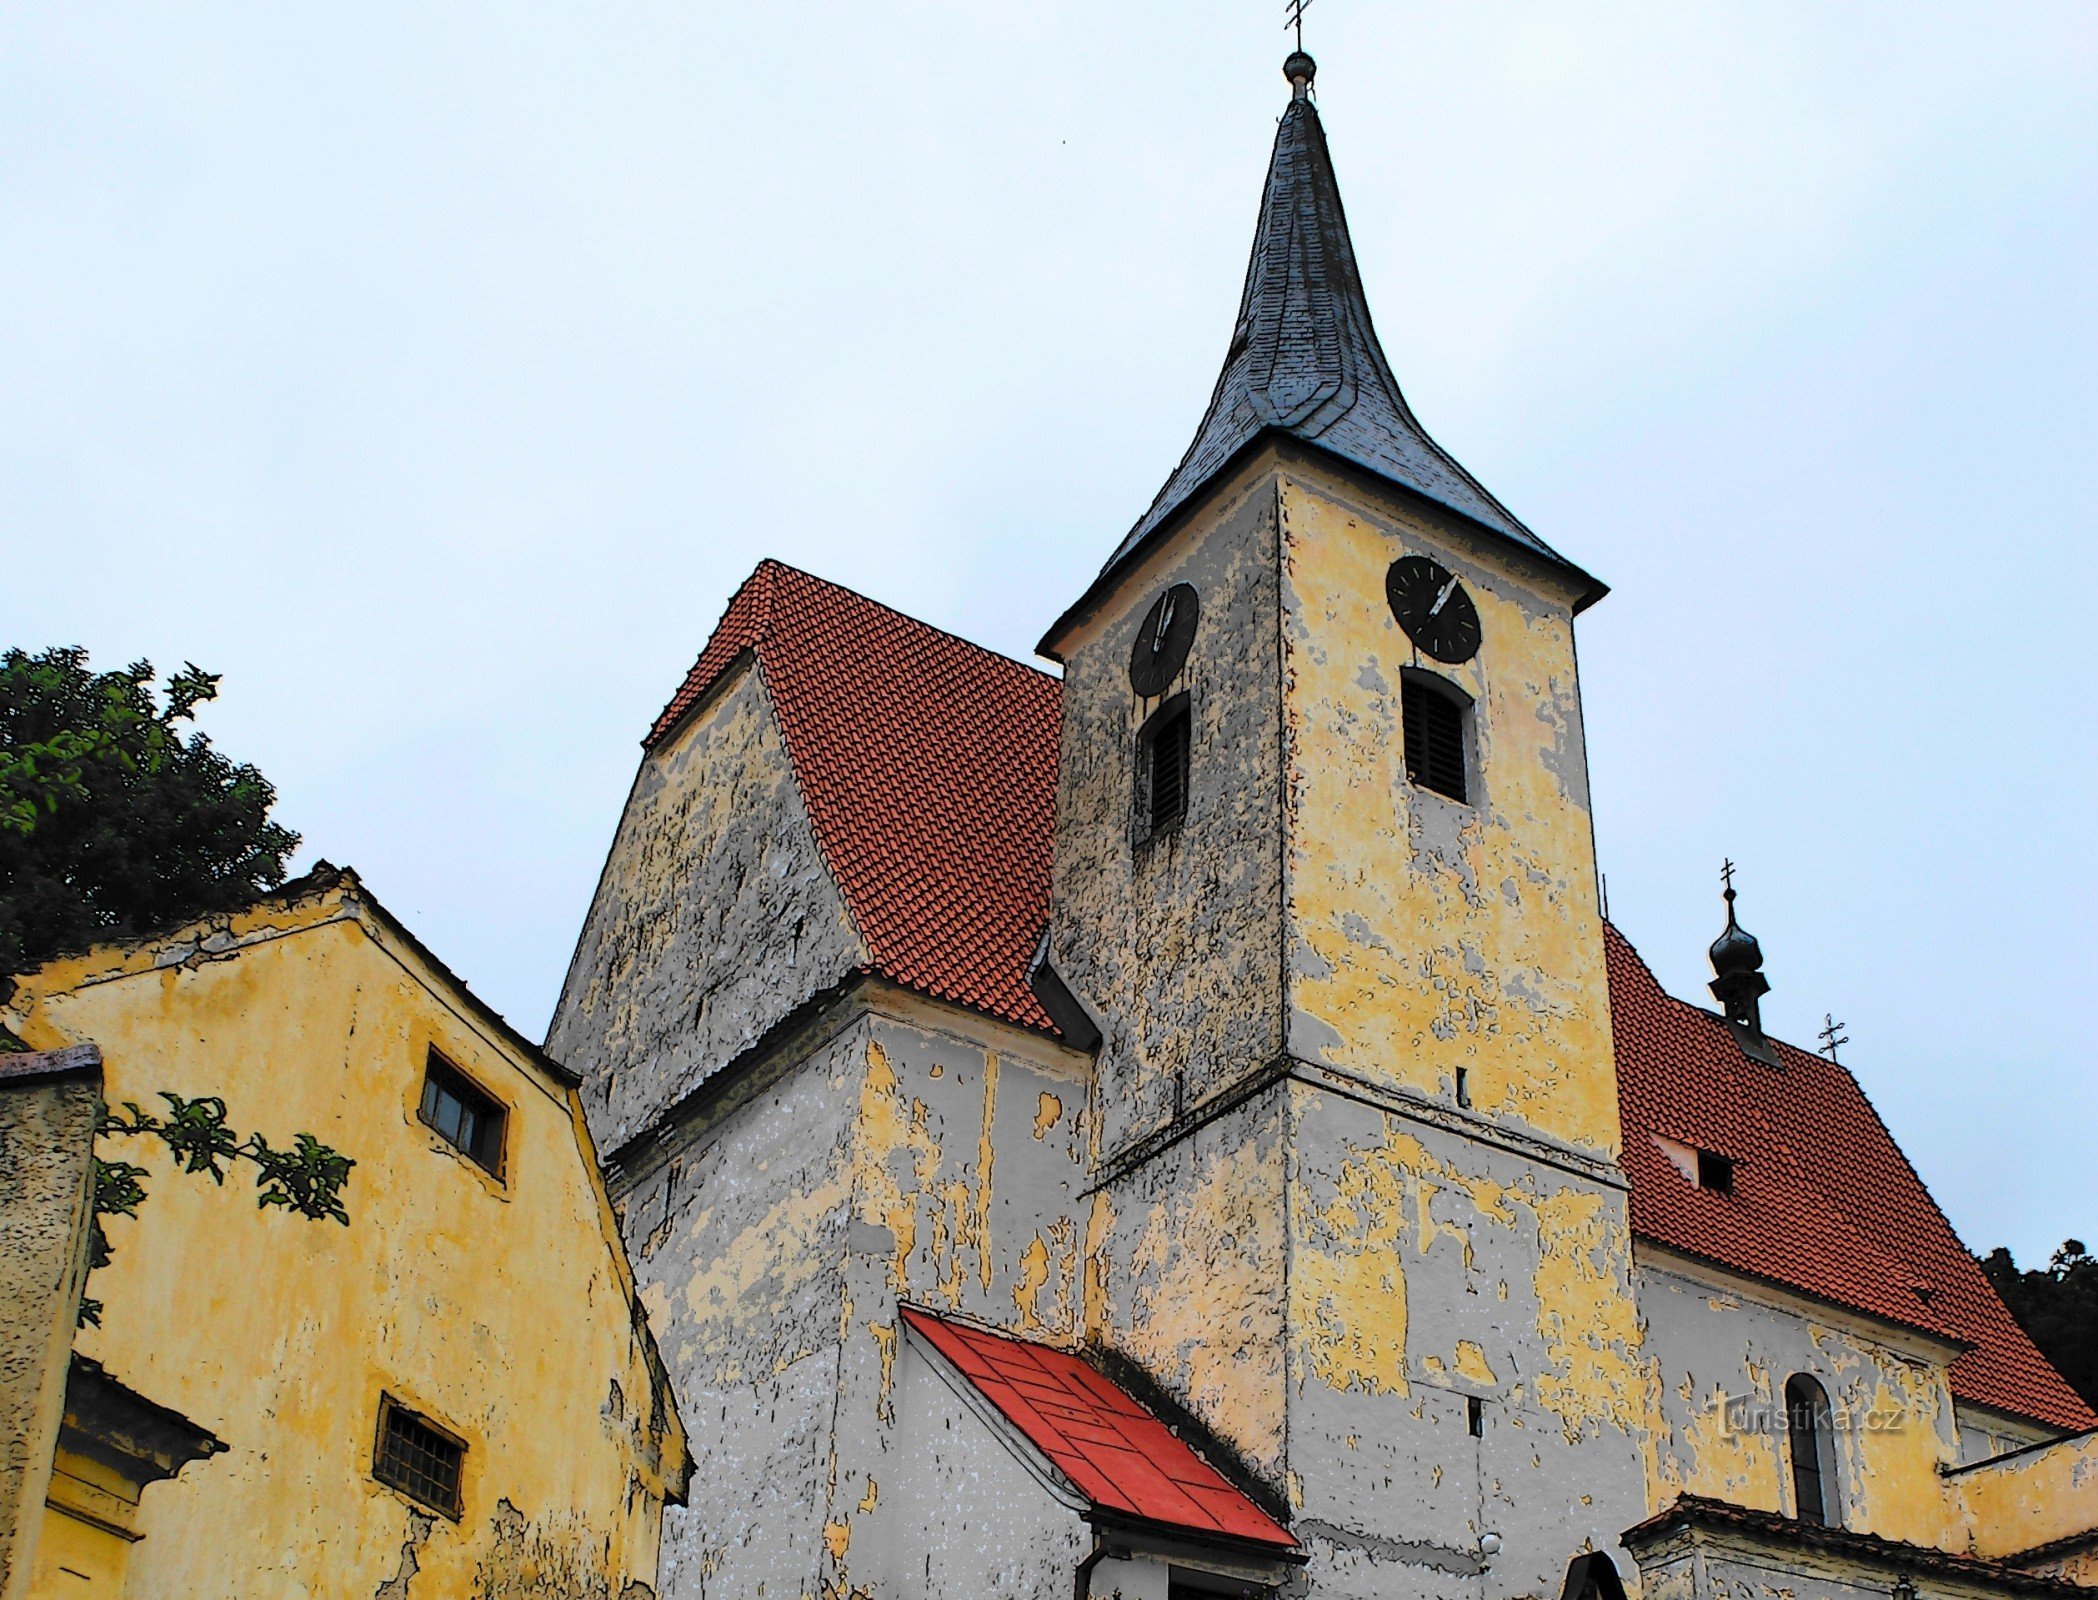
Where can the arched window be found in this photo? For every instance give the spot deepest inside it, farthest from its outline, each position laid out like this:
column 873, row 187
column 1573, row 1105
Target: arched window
column 1162, row 769
column 1434, row 717
column 1808, row 1438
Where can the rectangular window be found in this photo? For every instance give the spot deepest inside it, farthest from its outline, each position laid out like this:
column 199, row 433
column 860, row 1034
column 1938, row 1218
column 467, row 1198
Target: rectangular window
column 1464, row 1087
column 418, row 1458
column 463, row 1116
column 1475, row 1417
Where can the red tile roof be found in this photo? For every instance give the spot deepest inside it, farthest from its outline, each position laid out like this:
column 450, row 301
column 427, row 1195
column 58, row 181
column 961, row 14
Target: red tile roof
column 929, row 768
column 928, row 765
column 1823, row 1201
column 1115, row 1453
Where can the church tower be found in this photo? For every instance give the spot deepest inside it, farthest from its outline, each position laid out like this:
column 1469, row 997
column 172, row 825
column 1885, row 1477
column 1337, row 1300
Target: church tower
column 1324, row 881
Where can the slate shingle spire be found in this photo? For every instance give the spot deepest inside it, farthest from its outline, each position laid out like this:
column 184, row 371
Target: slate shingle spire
column 1304, row 358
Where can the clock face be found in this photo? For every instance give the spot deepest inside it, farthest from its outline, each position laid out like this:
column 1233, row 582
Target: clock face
column 1433, row 608
column 1162, row 639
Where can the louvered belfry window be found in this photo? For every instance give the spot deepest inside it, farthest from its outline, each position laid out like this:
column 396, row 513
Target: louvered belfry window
column 1165, row 769
column 1434, row 739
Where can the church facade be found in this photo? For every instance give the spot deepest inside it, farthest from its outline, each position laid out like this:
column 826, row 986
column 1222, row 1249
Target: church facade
column 1187, row 1127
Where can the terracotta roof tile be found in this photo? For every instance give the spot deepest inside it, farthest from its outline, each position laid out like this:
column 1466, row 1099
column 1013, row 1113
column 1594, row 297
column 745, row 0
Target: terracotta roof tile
column 1823, row 1200
column 1115, row 1452
column 929, row 768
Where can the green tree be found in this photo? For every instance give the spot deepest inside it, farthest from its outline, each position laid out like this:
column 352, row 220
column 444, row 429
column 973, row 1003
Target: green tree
column 114, row 824
column 2057, row 1305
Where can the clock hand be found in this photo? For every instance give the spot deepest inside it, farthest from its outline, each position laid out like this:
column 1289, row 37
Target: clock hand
column 1442, row 599
column 1165, row 621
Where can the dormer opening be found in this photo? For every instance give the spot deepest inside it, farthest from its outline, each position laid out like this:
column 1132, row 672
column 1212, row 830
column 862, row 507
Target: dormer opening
column 1708, row 1169
column 1437, row 721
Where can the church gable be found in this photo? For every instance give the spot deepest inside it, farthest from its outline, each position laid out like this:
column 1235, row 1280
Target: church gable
column 716, row 917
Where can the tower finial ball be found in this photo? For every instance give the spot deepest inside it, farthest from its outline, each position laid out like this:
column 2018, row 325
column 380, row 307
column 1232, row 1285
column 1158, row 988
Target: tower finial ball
column 1300, row 69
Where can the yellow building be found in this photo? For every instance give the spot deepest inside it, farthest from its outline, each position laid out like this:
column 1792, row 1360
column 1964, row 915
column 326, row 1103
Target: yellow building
column 455, row 1394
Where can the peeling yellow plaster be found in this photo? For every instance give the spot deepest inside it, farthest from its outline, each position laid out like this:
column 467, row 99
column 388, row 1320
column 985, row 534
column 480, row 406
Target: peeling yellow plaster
column 1034, row 1273
column 1203, row 1309
column 1586, row 1316
column 1047, row 1109
column 1348, row 1278
column 1431, row 935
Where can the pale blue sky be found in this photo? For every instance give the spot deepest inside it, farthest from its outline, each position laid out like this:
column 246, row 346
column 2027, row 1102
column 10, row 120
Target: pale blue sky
column 434, row 372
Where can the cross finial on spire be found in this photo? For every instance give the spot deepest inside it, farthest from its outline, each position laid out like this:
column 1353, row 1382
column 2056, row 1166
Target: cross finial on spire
column 1832, row 1035
column 1293, row 17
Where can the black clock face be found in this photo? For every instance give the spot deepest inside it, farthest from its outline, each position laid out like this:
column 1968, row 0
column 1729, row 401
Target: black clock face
column 1433, row 608
column 1159, row 650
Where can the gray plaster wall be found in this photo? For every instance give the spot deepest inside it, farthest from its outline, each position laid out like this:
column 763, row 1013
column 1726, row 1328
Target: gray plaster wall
column 48, row 1109
column 1893, row 1412
column 715, row 917
column 1986, row 1434
column 920, row 1156
column 971, row 1157
column 969, row 1517
column 1409, row 1244
column 738, row 1241
column 1176, row 943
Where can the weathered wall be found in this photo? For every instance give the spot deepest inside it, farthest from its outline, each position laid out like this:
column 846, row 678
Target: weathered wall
column 737, row 1235
column 48, row 1108
column 715, row 917
column 1985, row 1433
column 279, row 1335
column 1176, row 943
column 1329, row 1271
column 1189, row 1269
column 1428, row 1270
column 1428, row 934
column 968, row 1518
column 1730, row 1566
column 905, row 1153
column 1722, row 1353
column 2036, row 1498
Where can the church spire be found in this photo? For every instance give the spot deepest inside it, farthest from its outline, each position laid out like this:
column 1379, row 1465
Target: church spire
column 1304, row 358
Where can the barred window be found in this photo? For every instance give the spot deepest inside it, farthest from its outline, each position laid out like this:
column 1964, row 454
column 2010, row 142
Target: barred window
column 418, row 1458
column 1434, row 728
column 464, row 1117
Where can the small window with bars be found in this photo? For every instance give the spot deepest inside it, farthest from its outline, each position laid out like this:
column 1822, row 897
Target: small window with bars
column 1434, row 728
column 418, row 1458
column 1163, row 772
column 463, row 1116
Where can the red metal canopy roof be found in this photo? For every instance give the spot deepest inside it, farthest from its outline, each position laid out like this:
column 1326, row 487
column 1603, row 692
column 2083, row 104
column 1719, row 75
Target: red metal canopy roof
column 1115, row 1453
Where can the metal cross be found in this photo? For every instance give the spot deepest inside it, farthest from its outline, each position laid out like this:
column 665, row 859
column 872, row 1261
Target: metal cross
column 1293, row 17
column 1726, row 873
column 1832, row 1035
